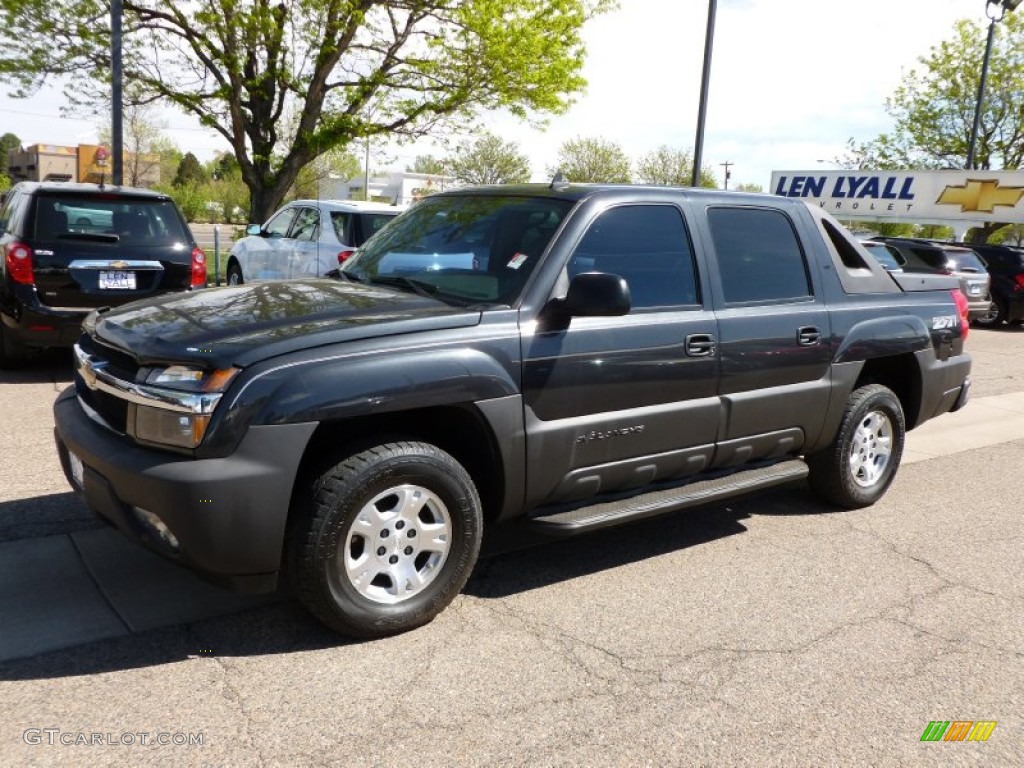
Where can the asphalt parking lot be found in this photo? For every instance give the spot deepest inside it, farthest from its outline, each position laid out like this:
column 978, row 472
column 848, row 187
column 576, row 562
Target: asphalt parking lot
column 772, row 631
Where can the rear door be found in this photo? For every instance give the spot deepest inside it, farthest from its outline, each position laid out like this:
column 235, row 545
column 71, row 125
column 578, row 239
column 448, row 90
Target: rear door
column 774, row 334
column 616, row 403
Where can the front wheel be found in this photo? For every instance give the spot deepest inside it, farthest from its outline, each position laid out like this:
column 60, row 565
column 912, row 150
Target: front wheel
column 386, row 539
column 860, row 464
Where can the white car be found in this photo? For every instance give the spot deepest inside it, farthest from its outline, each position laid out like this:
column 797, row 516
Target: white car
column 306, row 238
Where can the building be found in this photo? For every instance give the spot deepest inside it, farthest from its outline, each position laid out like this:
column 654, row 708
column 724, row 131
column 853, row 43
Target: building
column 395, row 188
column 86, row 162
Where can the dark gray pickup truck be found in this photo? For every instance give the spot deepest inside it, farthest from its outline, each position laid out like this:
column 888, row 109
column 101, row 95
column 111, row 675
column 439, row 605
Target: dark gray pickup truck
column 501, row 365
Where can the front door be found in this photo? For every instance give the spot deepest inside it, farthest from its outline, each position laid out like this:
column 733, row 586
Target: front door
column 615, row 403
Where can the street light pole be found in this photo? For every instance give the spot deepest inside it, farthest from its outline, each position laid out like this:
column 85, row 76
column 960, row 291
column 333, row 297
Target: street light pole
column 1003, row 7
column 698, row 145
column 116, row 94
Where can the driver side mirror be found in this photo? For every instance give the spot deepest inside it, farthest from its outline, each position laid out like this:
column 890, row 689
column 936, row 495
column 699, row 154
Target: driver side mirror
column 253, row 230
column 597, row 294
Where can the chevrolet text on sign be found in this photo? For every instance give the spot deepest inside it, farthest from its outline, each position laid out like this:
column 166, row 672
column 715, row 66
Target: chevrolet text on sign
column 939, row 196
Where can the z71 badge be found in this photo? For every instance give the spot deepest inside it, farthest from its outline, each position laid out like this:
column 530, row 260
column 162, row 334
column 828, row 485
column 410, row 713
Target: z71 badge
column 944, row 321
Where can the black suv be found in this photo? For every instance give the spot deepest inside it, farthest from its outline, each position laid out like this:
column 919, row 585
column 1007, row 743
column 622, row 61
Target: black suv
column 70, row 248
column 1006, row 268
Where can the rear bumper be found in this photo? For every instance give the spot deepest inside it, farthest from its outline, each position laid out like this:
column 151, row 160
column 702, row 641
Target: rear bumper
column 30, row 324
column 226, row 517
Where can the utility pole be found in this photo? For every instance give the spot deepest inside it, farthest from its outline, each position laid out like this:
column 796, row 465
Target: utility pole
column 116, row 94
column 366, row 170
column 727, row 165
column 702, row 109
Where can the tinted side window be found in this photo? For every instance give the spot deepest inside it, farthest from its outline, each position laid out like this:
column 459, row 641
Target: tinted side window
column 648, row 246
column 759, row 256
column 339, row 220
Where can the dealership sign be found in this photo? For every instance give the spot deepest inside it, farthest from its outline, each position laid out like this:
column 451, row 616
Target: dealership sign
column 931, row 196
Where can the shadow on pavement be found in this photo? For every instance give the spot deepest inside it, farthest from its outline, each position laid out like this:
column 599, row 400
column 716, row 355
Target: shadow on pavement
column 49, row 515
column 279, row 628
column 52, row 366
column 284, row 627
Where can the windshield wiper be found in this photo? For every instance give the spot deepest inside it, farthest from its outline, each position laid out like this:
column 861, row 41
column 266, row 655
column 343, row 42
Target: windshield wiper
column 98, row 237
column 421, row 287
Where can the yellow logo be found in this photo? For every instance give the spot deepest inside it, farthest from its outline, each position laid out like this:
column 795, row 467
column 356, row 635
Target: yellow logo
column 118, row 264
column 982, row 196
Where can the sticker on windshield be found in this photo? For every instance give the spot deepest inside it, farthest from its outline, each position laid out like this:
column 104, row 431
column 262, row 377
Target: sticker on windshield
column 517, row 260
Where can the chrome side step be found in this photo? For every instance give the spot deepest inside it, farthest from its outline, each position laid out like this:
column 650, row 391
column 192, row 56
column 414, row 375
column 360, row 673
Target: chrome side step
column 656, row 502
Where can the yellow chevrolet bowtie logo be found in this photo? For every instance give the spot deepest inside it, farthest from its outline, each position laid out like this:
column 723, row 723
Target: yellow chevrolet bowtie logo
column 981, row 196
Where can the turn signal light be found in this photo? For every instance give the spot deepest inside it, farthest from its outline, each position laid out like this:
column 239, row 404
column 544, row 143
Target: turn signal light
column 18, row 259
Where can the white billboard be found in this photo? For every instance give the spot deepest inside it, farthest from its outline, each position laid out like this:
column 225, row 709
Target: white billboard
column 956, row 198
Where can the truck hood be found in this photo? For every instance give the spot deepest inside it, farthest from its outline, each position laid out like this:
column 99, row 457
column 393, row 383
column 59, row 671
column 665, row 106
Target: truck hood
column 245, row 324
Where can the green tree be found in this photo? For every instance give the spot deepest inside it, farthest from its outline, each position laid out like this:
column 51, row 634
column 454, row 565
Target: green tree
column 490, row 160
column 144, row 144
column 190, row 172
column 345, row 69
column 669, row 166
column 933, row 108
column 592, row 161
column 427, row 164
column 333, row 165
column 5, row 182
column 8, row 143
column 749, row 188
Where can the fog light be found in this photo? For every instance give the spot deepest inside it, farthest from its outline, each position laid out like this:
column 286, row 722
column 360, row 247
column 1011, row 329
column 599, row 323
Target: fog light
column 157, row 526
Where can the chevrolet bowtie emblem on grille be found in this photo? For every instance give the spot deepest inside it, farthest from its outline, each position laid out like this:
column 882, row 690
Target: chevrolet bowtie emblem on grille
column 982, row 196
column 118, row 264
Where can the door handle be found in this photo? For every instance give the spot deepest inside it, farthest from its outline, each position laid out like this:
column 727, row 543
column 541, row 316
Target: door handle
column 700, row 344
column 808, row 336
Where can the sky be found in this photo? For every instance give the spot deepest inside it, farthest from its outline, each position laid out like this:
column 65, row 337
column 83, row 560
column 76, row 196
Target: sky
column 791, row 82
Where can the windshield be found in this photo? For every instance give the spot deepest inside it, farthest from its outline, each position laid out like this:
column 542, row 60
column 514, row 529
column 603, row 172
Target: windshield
column 463, row 248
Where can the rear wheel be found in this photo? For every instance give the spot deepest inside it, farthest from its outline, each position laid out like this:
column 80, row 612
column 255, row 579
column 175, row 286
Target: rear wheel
column 385, row 539
column 857, row 469
column 235, row 274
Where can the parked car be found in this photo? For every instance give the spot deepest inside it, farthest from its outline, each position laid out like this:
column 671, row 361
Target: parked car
column 1006, row 269
column 306, row 238
column 70, row 248
column 927, row 256
column 883, row 255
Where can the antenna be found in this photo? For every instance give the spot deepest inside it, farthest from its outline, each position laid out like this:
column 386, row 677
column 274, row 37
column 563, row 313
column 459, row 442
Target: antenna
column 559, row 181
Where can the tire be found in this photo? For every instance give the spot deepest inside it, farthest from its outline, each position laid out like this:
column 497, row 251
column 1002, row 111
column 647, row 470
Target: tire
column 12, row 355
column 235, row 274
column 385, row 539
column 995, row 316
column 860, row 464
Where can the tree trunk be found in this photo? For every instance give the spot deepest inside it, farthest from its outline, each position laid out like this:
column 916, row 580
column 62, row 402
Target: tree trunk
column 980, row 235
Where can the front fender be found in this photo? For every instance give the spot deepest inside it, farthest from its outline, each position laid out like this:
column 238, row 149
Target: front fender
column 347, row 386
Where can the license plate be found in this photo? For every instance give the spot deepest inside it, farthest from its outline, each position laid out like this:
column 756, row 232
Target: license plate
column 77, row 470
column 117, row 280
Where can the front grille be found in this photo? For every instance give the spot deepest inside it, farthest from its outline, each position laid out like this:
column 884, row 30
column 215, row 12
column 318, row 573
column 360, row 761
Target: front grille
column 113, row 410
column 120, row 364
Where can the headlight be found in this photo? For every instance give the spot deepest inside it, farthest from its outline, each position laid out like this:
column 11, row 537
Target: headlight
column 182, row 430
column 189, row 395
column 190, row 379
